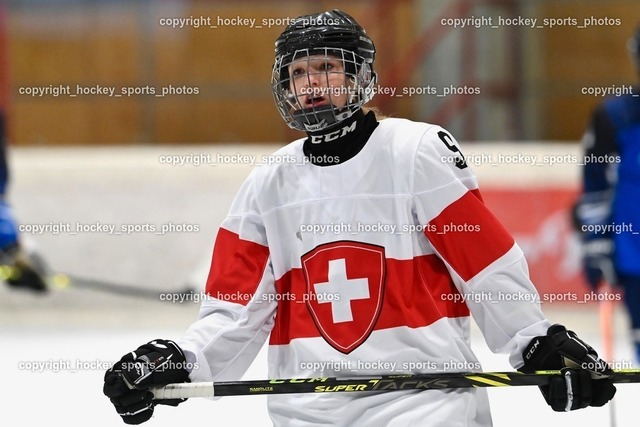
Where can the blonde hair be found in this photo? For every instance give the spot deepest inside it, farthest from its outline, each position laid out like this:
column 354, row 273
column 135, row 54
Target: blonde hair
column 379, row 115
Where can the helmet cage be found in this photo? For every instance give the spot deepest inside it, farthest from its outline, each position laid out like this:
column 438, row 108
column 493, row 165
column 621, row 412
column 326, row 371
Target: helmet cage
column 291, row 101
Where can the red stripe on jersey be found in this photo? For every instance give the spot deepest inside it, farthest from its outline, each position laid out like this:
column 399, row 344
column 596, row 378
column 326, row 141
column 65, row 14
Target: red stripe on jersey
column 237, row 267
column 476, row 192
column 468, row 236
column 417, row 293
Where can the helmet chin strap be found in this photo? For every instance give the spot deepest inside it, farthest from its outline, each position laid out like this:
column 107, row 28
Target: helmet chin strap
column 319, row 118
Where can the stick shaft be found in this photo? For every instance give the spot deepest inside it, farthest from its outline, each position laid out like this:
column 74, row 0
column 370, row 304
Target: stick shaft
column 607, row 308
column 61, row 281
column 369, row 384
column 606, row 330
column 120, row 289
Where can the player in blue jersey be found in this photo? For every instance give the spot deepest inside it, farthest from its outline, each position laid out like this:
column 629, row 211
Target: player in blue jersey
column 608, row 212
column 18, row 271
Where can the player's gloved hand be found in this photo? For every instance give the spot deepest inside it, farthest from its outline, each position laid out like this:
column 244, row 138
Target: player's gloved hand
column 127, row 383
column 590, row 213
column 584, row 380
column 597, row 261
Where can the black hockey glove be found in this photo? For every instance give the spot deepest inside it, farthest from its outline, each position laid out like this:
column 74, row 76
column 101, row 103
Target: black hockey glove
column 584, row 380
column 597, row 261
column 127, row 383
column 591, row 211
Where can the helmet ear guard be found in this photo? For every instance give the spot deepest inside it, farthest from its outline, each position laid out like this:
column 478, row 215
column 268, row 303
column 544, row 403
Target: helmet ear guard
column 368, row 80
column 365, row 74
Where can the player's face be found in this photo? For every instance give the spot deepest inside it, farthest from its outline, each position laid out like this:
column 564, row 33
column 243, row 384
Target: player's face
column 318, row 80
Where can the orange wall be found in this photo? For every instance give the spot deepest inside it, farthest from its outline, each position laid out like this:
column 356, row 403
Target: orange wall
column 125, row 46
column 573, row 58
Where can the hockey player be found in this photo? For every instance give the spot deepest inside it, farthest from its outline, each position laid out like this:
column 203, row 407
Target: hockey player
column 608, row 212
column 367, row 254
column 21, row 273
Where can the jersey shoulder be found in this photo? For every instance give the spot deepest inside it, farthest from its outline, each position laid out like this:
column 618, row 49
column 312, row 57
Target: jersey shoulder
column 285, row 157
column 404, row 128
column 427, row 141
column 623, row 110
column 425, row 154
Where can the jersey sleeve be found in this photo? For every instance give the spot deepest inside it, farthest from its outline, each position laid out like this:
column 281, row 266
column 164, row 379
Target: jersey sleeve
column 594, row 205
column 599, row 140
column 486, row 265
column 238, row 312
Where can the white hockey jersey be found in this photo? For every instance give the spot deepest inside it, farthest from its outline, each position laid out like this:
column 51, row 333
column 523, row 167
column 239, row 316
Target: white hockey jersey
column 367, row 267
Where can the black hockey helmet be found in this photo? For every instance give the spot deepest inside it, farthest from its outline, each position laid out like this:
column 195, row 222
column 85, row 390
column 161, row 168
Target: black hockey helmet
column 327, row 34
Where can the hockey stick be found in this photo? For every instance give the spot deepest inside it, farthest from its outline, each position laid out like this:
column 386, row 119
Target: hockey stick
column 63, row 281
column 369, row 384
column 34, row 264
column 606, row 323
column 606, row 329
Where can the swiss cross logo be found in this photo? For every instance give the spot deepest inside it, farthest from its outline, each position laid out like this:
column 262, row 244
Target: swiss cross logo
column 345, row 287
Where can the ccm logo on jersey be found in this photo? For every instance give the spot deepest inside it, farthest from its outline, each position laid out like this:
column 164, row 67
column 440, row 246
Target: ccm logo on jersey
column 344, row 290
column 331, row 136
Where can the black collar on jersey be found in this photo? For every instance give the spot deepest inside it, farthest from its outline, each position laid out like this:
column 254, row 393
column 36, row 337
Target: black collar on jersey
column 342, row 142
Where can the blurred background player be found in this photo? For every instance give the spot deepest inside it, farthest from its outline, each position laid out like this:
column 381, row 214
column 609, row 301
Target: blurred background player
column 18, row 268
column 611, row 191
column 383, row 292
